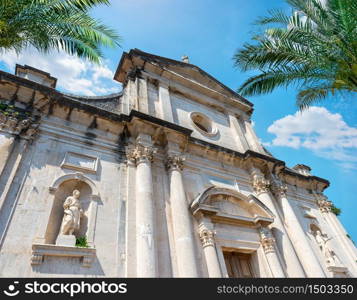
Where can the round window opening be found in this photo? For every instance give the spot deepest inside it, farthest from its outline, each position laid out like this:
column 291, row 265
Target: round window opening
column 203, row 124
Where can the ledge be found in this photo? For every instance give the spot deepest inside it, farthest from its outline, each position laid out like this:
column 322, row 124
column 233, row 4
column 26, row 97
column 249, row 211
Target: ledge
column 39, row 251
column 338, row 270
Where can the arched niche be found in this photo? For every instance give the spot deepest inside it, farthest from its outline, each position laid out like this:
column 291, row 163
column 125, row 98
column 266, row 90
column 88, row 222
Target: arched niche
column 45, row 241
column 65, row 190
column 74, row 176
column 63, row 187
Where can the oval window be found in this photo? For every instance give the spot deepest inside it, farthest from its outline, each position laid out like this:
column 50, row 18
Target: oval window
column 203, row 124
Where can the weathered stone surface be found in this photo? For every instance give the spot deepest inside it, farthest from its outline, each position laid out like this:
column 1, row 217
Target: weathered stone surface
column 159, row 196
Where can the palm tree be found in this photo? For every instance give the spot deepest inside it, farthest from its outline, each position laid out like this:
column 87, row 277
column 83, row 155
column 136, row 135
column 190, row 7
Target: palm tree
column 313, row 49
column 54, row 24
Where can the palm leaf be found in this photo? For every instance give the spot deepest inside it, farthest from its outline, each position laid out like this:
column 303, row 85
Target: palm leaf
column 313, row 49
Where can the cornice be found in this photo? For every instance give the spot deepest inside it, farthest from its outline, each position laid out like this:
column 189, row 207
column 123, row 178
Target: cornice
column 266, row 162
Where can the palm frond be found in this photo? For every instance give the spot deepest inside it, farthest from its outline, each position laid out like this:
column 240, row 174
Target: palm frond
column 314, row 49
column 55, row 24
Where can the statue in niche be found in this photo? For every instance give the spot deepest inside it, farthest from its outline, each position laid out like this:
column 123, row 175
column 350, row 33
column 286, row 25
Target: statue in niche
column 329, row 254
column 72, row 214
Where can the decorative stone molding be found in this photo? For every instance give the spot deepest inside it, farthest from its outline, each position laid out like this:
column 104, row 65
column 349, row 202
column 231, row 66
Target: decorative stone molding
column 175, row 162
column 203, row 124
column 36, row 258
column 40, row 251
column 140, row 154
column 278, row 187
column 206, row 237
column 267, row 240
column 78, row 176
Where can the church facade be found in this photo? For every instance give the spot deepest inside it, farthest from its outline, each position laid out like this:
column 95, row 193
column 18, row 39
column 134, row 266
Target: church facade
column 165, row 179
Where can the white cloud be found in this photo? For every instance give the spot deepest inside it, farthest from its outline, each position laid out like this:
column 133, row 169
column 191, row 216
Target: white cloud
column 319, row 130
column 74, row 75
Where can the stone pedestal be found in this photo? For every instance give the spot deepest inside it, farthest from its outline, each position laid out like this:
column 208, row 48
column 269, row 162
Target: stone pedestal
column 66, row 240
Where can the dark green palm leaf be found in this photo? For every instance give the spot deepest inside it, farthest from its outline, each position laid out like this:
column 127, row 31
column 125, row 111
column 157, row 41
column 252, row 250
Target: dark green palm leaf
column 55, row 24
column 314, row 49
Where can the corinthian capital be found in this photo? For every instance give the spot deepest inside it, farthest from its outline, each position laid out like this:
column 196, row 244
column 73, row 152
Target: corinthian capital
column 175, row 162
column 206, row 237
column 13, row 124
column 140, row 154
column 267, row 240
column 323, row 203
column 260, row 183
column 278, row 187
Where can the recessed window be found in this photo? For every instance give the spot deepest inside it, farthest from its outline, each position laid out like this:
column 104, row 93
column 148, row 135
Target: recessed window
column 203, row 124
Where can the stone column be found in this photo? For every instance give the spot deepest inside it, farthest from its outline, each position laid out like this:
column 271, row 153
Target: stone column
column 181, row 219
column 6, row 146
column 145, row 212
column 337, row 230
column 296, row 233
column 261, row 189
column 207, row 239
column 268, row 243
column 10, row 127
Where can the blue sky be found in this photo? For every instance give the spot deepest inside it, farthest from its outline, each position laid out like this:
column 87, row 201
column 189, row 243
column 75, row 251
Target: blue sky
column 209, row 32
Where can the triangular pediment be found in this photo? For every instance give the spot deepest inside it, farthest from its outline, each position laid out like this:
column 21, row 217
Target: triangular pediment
column 174, row 69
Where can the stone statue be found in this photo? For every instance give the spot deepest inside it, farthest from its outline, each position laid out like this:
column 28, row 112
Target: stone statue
column 329, row 254
column 72, row 214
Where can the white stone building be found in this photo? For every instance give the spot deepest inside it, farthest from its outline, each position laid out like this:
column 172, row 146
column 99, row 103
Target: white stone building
column 172, row 182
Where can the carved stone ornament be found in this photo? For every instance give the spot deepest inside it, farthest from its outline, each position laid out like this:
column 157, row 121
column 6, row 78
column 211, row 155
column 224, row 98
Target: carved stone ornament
column 278, row 187
column 36, row 259
column 14, row 125
column 139, row 154
column 330, row 256
column 260, row 183
column 323, row 203
column 267, row 240
column 206, row 237
column 175, row 162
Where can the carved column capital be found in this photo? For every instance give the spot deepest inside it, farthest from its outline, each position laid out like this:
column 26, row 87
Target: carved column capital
column 12, row 124
column 267, row 240
column 206, row 236
column 323, row 203
column 260, row 183
column 278, row 187
column 175, row 162
column 17, row 123
column 140, row 154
